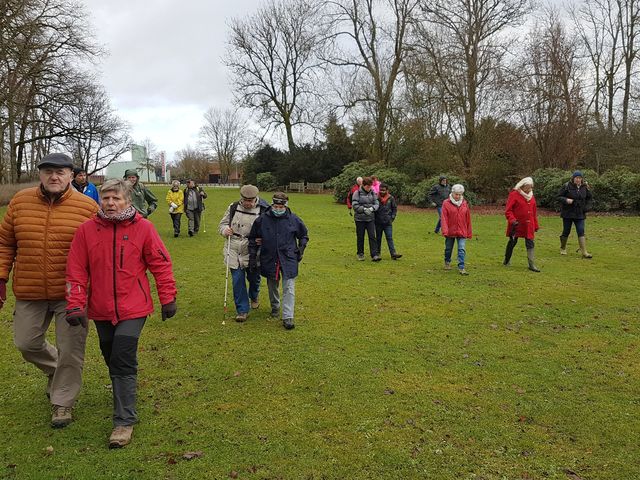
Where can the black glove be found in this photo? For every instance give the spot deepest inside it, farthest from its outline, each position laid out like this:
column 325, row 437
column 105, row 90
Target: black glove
column 77, row 316
column 515, row 224
column 253, row 264
column 169, row 310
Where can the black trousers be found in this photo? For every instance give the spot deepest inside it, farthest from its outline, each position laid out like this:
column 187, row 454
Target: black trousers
column 370, row 228
column 175, row 218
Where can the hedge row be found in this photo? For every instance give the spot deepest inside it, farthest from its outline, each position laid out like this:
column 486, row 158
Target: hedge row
column 615, row 190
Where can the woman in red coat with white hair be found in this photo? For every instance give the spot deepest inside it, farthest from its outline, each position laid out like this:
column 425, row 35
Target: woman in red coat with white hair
column 522, row 220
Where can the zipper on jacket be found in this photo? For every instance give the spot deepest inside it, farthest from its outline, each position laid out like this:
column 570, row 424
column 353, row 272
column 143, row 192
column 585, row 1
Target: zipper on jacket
column 143, row 292
column 122, row 256
column 115, row 296
column 163, row 255
column 46, row 238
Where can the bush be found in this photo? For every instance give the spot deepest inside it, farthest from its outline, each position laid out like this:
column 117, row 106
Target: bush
column 546, row 185
column 342, row 183
column 266, row 182
column 420, row 193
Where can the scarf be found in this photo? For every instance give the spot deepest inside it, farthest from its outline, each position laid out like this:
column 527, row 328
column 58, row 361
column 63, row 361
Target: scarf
column 384, row 199
column 527, row 196
column 457, row 203
column 126, row 214
column 522, row 183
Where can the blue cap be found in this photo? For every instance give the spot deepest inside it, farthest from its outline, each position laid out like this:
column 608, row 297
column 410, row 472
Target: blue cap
column 577, row 173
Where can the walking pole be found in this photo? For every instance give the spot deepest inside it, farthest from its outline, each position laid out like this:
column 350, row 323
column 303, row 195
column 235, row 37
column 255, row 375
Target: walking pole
column 204, row 225
column 226, row 277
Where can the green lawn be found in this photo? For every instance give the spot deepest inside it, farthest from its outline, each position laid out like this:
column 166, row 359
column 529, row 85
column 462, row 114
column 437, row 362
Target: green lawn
column 395, row 370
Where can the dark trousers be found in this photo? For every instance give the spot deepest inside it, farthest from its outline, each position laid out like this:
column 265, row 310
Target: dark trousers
column 194, row 220
column 119, row 346
column 566, row 226
column 388, row 234
column 370, row 228
column 175, row 218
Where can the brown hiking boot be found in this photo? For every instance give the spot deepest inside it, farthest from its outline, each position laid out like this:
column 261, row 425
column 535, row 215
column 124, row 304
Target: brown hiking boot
column 447, row 266
column 120, row 436
column 61, row 416
column 241, row 317
column 255, row 304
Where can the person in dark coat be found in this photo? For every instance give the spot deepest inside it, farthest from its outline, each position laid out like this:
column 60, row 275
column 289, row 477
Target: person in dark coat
column 282, row 238
column 456, row 226
column 385, row 215
column 365, row 204
column 193, row 205
column 575, row 199
column 522, row 220
column 438, row 194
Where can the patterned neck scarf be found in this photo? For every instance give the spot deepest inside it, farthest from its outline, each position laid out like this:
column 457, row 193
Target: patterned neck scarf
column 126, row 214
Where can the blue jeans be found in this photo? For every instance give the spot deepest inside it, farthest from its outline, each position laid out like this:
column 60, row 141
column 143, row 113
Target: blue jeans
column 566, row 226
column 388, row 233
column 448, row 248
column 240, row 294
column 288, row 296
column 437, row 230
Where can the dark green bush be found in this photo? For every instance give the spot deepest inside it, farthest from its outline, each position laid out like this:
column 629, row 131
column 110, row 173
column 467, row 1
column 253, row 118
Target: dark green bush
column 420, row 192
column 266, row 182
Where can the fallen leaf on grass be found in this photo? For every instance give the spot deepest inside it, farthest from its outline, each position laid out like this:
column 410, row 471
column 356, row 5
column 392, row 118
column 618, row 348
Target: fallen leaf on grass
column 12, row 465
column 389, row 391
column 192, row 455
column 171, row 461
column 48, row 450
column 233, row 474
column 572, row 475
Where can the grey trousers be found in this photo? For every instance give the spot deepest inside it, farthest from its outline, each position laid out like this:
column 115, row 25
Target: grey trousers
column 194, row 220
column 119, row 346
column 62, row 363
column 288, row 295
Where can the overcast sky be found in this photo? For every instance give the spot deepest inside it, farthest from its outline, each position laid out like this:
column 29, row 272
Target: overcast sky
column 164, row 67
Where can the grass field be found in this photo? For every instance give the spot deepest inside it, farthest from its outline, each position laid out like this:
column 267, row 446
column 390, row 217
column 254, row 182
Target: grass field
column 395, row 370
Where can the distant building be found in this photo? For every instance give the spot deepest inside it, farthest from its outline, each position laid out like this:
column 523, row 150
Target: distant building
column 138, row 155
column 215, row 175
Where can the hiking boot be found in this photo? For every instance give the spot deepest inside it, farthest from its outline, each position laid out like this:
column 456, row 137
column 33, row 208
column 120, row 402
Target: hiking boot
column 241, row 317
column 288, row 323
column 462, row 271
column 396, row 256
column 255, row 304
column 563, row 245
column 376, row 258
column 583, row 247
column 275, row 312
column 190, row 233
column 361, row 257
column 176, row 235
column 447, row 265
column 61, row 416
column 121, row 436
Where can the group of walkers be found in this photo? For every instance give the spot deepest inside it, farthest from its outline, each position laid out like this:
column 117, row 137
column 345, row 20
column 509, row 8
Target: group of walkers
column 75, row 258
column 376, row 211
column 190, row 202
column 267, row 240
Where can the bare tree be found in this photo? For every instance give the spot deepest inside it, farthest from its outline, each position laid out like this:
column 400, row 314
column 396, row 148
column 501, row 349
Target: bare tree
column 273, row 59
column 223, row 136
column 369, row 43
column 97, row 136
column 191, row 163
column 551, row 106
column 41, row 39
column 464, row 45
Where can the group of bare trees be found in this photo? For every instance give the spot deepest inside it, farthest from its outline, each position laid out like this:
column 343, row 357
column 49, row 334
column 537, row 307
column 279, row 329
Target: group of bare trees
column 445, row 69
column 48, row 101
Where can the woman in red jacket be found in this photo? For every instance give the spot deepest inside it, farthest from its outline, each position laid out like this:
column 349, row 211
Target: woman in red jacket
column 456, row 225
column 522, row 220
column 107, row 282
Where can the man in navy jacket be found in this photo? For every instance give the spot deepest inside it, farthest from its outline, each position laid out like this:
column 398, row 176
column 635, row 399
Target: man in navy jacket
column 282, row 238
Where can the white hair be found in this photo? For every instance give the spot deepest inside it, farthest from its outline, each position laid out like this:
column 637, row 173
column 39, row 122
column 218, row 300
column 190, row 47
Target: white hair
column 457, row 188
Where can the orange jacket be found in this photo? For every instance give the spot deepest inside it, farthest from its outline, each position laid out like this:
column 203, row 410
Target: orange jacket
column 35, row 236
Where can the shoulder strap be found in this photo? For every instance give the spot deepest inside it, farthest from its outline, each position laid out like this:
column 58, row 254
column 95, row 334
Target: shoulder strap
column 232, row 211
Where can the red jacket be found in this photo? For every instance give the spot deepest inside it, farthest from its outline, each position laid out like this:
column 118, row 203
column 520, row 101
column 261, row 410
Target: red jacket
column 456, row 221
column 108, row 263
column 526, row 213
column 353, row 190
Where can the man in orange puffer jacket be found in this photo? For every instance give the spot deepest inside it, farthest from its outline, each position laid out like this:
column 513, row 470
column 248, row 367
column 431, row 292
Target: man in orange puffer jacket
column 35, row 237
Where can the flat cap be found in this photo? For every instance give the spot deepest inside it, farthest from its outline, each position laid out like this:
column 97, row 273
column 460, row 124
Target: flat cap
column 59, row 160
column 249, row 191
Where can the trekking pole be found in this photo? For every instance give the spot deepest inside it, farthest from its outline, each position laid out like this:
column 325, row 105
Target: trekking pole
column 226, row 277
column 204, row 224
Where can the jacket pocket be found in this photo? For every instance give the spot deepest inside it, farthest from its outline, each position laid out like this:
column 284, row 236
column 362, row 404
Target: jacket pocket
column 146, row 300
